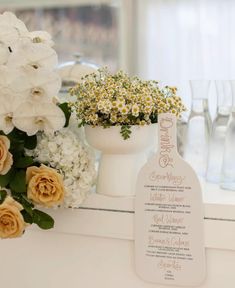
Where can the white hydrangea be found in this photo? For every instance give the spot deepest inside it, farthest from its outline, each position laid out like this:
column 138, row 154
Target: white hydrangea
column 66, row 152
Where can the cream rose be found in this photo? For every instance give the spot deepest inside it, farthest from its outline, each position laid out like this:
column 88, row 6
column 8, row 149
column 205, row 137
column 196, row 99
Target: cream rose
column 12, row 223
column 5, row 156
column 45, row 186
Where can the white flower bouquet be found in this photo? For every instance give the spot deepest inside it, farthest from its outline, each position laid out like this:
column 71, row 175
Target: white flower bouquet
column 28, row 81
column 42, row 161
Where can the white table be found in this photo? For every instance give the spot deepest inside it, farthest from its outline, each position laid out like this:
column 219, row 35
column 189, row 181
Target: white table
column 93, row 247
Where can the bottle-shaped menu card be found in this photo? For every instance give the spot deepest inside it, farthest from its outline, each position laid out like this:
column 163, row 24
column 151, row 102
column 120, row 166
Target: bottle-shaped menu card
column 169, row 232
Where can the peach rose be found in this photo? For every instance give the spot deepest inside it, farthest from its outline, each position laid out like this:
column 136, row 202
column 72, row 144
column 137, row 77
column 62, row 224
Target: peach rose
column 45, row 186
column 12, row 223
column 5, row 156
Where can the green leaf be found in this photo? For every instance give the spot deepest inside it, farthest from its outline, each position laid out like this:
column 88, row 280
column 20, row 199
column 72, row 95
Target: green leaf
column 27, row 217
column 154, row 118
column 18, row 183
column 16, row 135
column 30, row 142
column 82, row 123
column 16, row 146
column 25, row 203
column 5, row 179
column 67, row 112
column 17, row 141
column 3, row 195
column 24, row 162
column 20, row 139
column 125, row 131
column 42, row 219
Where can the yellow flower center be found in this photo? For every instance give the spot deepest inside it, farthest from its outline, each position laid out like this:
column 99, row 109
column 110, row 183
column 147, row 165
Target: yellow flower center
column 37, row 40
column 39, row 120
column 8, row 118
column 37, row 92
column 35, row 65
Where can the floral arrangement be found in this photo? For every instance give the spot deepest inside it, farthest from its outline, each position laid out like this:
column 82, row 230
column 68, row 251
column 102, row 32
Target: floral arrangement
column 64, row 152
column 43, row 163
column 103, row 99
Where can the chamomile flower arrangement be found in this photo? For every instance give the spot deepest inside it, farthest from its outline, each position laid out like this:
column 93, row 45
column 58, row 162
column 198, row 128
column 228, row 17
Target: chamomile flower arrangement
column 105, row 99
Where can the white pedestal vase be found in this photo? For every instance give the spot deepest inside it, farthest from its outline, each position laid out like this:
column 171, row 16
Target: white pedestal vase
column 121, row 160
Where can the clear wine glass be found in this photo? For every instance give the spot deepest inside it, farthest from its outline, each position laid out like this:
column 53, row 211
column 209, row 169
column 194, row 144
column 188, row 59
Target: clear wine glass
column 199, row 127
column 219, row 127
column 228, row 168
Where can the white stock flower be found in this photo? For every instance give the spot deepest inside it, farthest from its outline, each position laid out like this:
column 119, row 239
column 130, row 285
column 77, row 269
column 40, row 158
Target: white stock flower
column 36, row 55
column 36, row 84
column 32, row 117
column 10, row 19
column 8, row 35
column 4, row 53
column 11, row 29
column 8, row 98
column 7, row 77
column 28, row 84
column 7, row 108
column 41, row 37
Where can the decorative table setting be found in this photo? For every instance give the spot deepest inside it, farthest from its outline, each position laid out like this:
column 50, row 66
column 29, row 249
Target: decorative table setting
column 103, row 172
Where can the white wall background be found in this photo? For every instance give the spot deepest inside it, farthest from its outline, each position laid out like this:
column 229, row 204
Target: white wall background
column 187, row 39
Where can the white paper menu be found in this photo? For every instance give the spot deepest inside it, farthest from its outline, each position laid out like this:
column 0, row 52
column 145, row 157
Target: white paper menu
column 169, row 231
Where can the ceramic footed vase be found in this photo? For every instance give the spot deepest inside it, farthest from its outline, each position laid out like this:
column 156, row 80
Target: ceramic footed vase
column 120, row 160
